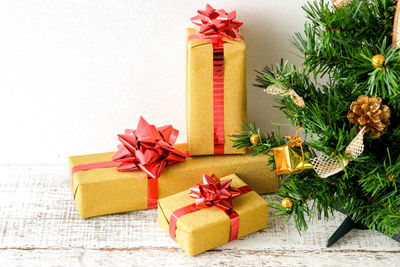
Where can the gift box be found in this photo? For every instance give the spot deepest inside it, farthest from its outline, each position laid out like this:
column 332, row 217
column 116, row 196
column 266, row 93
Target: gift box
column 215, row 83
column 212, row 214
column 101, row 191
column 291, row 158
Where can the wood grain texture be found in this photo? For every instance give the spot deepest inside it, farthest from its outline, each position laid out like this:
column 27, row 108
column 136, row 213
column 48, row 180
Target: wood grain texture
column 39, row 225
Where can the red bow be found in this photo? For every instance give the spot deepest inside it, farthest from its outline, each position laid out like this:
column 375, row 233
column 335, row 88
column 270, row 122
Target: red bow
column 148, row 148
column 217, row 23
column 213, row 191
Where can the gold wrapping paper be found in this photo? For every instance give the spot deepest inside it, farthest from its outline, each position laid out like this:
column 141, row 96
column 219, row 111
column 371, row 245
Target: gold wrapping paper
column 208, row 228
column 199, row 94
column 106, row 190
column 288, row 161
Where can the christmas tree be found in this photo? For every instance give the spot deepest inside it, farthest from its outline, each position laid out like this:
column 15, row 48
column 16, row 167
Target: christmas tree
column 349, row 158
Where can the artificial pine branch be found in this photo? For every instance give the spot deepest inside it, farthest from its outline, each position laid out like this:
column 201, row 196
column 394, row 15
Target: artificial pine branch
column 265, row 144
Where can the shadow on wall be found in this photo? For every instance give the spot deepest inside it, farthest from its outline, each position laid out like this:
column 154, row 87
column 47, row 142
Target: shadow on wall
column 267, row 40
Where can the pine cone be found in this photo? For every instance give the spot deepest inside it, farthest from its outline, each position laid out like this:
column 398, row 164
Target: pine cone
column 369, row 112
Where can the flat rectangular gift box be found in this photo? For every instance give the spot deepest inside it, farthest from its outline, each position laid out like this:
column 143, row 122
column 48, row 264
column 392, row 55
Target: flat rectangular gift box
column 105, row 190
column 199, row 93
column 210, row 227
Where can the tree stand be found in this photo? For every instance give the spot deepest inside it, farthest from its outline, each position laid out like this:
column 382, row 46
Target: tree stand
column 347, row 225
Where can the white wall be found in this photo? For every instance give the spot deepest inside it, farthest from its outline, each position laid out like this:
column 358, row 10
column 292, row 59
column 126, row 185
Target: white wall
column 73, row 74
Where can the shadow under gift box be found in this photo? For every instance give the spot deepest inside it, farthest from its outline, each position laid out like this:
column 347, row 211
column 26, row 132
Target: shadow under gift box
column 210, row 227
column 105, row 190
column 199, row 93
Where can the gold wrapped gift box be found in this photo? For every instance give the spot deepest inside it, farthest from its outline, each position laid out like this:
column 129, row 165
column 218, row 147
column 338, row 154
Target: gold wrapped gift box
column 106, row 190
column 199, row 93
column 290, row 161
column 210, row 227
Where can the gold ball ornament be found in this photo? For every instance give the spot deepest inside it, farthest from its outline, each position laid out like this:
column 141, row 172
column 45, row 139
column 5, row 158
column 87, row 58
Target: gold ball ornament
column 254, row 139
column 287, row 203
column 377, row 61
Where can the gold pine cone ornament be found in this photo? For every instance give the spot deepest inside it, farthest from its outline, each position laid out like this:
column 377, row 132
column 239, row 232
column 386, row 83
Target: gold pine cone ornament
column 369, row 112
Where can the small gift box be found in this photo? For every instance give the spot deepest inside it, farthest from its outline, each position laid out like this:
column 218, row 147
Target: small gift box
column 101, row 185
column 215, row 82
column 291, row 157
column 212, row 213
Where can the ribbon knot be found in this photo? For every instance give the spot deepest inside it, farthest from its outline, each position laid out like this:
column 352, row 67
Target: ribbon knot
column 217, row 24
column 283, row 91
column 295, row 140
column 214, row 192
column 148, row 148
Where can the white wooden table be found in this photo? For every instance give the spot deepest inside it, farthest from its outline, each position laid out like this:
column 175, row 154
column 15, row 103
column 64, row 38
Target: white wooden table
column 39, row 226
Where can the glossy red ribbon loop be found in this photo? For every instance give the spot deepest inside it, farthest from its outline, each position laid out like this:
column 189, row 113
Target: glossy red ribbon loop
column 215, row 23
column 147, row 148
column 212, row 192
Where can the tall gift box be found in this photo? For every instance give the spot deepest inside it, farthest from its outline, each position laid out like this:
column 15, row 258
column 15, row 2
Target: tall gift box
column 212, row 213
column 101, row 186
column 215, row 82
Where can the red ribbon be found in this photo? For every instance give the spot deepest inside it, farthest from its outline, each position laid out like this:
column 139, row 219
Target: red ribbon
column 147, row 148
column 340, row 3
column 215, row 25
column 213, row 192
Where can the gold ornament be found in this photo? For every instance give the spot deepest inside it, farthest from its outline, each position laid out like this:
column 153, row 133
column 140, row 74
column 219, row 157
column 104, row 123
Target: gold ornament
column 291, row 158
column 331, row 29
column 287, row 203
column 369, row 112
column 377, row 61
column 255, row 139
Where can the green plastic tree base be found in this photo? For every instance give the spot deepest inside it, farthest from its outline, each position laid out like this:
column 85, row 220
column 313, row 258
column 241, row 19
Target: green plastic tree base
column 347, row 225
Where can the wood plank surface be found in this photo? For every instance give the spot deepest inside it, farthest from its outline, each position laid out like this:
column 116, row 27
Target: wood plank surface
column 40, row 226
